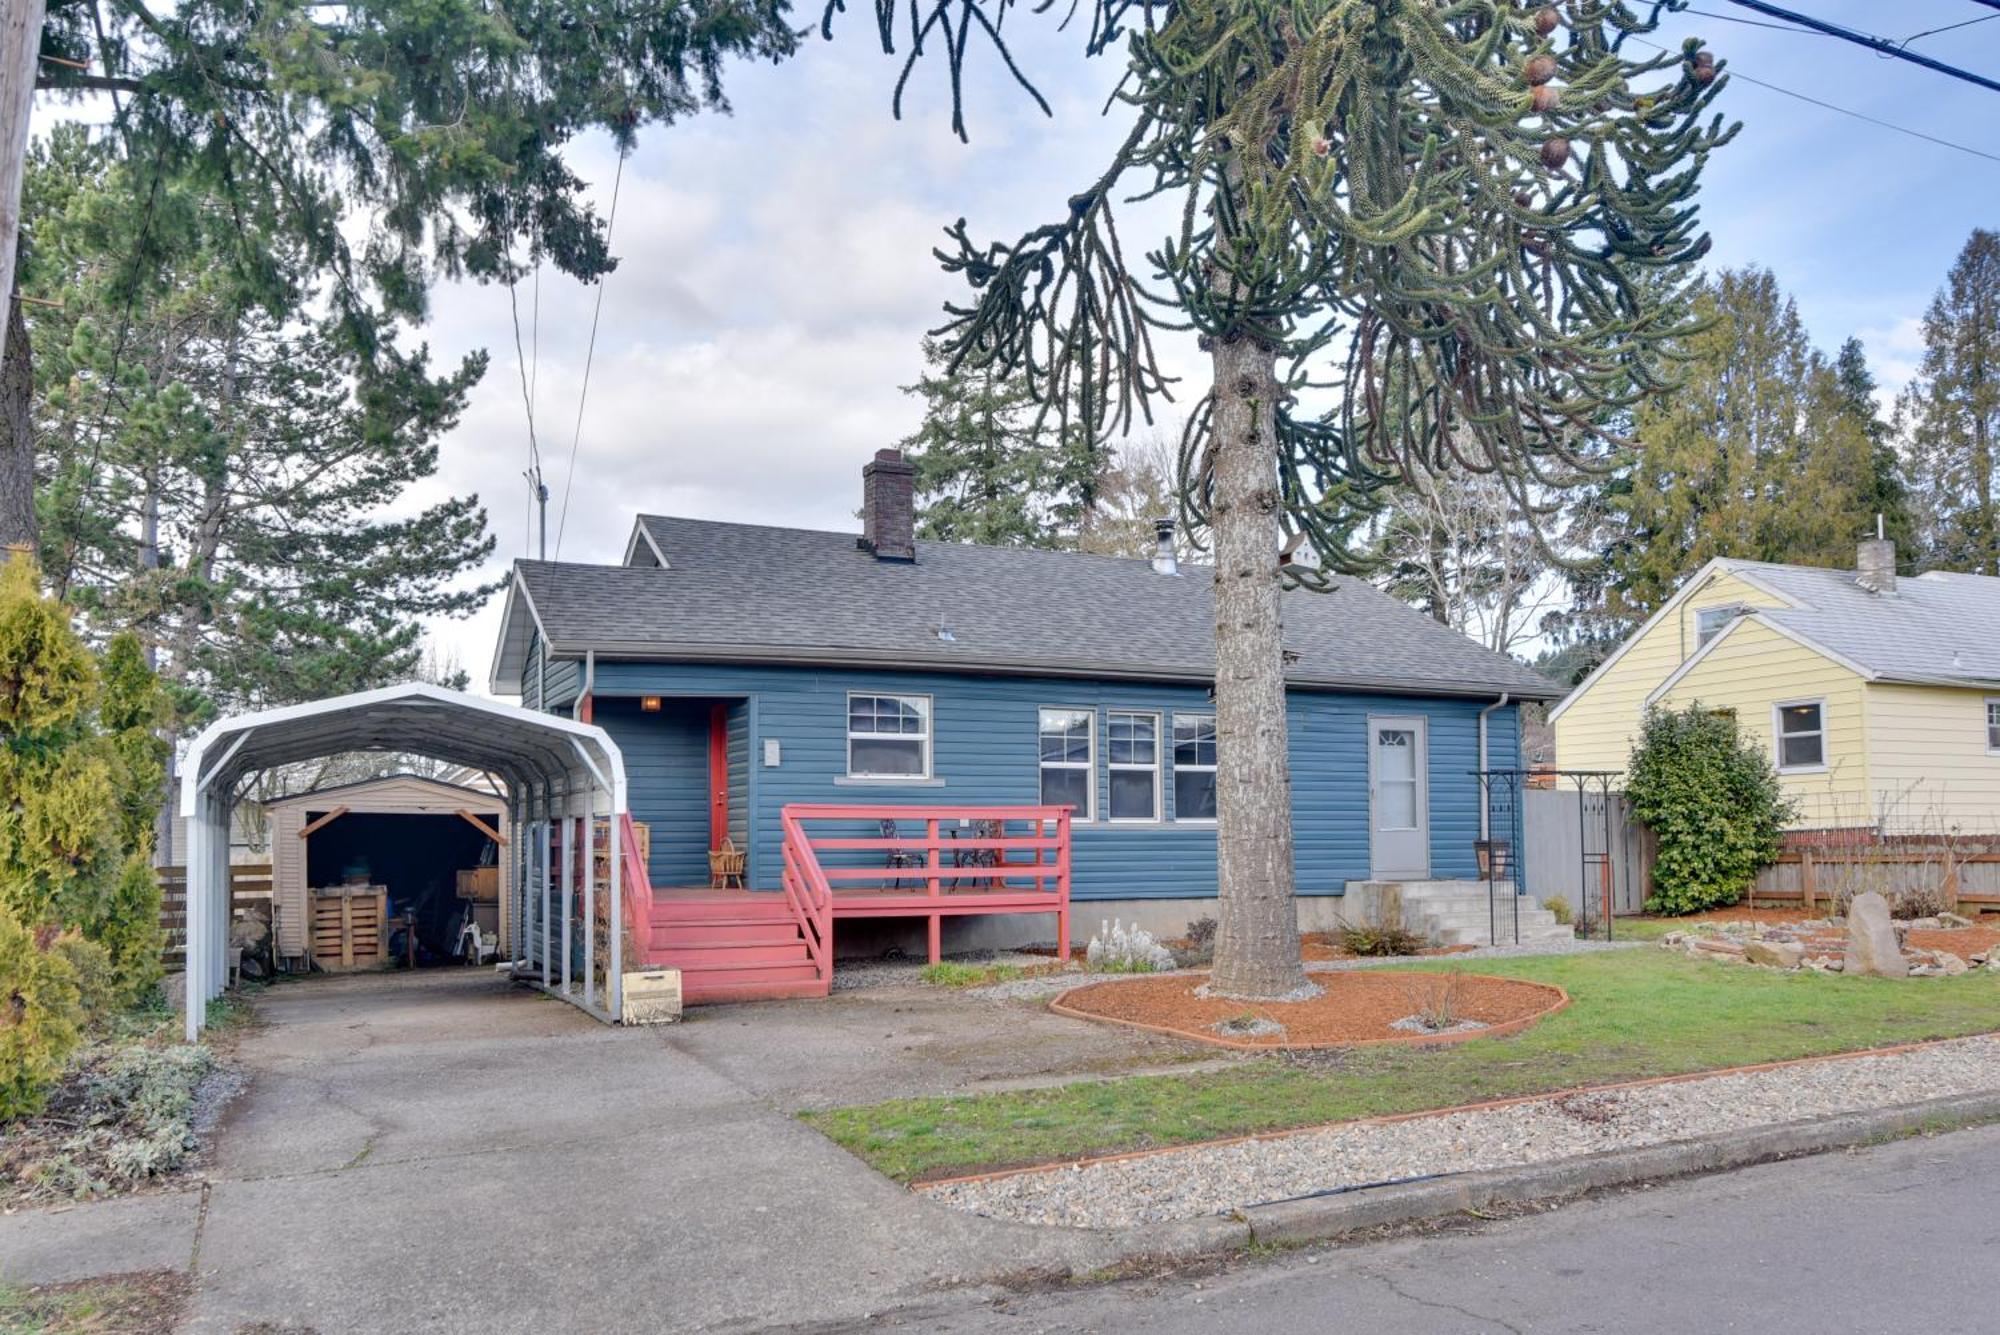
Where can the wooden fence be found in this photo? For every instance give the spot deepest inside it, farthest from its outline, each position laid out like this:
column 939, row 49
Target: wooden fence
column 1817, row 869
column 249, row 887
column 1569, row 848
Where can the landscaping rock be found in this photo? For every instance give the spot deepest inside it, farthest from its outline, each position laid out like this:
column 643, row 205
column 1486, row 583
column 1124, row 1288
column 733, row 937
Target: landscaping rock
column 1718, row 946
column 1951, row 965
column 1775, row 954
column 1954, row 920
column 1871, row 940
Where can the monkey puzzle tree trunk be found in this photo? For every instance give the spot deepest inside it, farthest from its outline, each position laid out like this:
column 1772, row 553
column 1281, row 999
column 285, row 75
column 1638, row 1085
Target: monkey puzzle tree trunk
column 1257, row 921
column 18, row 529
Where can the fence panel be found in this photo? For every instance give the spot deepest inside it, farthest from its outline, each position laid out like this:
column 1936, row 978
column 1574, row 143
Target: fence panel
column 1566, row 850
column 249, row 885
column 1815, row 871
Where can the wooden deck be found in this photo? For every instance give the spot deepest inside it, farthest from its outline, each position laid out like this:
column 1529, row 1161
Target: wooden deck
column 920, row 862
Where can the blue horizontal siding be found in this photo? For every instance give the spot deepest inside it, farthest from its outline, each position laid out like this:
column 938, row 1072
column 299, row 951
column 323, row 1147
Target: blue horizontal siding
column 985, row 749
column 666, row 777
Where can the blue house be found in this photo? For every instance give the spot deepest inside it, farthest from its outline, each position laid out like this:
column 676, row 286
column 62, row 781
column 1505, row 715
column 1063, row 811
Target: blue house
column 742, row 668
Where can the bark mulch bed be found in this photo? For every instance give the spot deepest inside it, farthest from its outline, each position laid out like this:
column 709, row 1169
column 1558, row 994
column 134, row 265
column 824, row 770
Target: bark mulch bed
column 1352, row 1009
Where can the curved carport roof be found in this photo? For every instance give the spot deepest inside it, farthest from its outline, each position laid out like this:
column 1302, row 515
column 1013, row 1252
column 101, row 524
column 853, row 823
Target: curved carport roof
column 552, row 768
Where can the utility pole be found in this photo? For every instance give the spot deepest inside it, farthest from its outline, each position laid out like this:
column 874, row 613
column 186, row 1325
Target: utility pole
column 538, row 490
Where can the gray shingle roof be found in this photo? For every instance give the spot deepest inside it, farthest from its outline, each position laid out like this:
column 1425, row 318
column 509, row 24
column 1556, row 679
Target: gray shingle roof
column 1939, row 627
column 744, row 592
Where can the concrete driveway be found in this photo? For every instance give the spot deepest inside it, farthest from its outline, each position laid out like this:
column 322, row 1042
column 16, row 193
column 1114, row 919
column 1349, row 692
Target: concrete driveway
column 445, row 1151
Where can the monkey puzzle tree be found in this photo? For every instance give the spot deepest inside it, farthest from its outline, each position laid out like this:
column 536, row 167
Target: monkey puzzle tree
column 1415, row 236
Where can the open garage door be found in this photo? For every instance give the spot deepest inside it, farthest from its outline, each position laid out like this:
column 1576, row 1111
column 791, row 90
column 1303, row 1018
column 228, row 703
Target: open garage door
column 565, row 788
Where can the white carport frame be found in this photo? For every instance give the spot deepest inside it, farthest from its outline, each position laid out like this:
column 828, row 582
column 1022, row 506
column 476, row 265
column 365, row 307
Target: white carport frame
column 554, row 769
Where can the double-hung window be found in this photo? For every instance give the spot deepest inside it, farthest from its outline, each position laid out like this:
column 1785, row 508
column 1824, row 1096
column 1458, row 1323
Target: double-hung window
column 1801, row 728
column 1069, row 759
column 1194, row 767
column 889, row 736
column 1993, row 725
column 1132, row 765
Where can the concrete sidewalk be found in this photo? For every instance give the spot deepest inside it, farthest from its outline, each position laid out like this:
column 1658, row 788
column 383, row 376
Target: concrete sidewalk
column 448, row 1152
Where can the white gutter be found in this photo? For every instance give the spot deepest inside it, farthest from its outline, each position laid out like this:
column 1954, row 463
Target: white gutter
column 1485, row 804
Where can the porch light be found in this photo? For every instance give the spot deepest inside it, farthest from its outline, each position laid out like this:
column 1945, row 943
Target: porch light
column 649, row 704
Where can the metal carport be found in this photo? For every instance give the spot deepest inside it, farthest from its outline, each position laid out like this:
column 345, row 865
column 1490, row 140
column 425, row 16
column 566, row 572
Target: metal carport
column 556, row 771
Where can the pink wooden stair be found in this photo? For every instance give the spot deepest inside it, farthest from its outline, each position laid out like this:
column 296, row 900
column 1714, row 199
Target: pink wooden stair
column 732, row 945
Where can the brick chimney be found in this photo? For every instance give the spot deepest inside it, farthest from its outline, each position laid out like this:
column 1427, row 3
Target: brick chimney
column 1875, row 563
column 888, row 507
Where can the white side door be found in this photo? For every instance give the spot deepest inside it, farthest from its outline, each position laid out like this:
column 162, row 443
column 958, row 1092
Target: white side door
column 1399, row 835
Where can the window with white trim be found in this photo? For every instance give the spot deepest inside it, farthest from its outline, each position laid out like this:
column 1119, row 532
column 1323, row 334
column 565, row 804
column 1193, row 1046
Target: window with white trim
column 1993, row 725
column 1194, row 767
column 1710, row 622
column 1801, row 728
column 888, row 736
column 1132, row 765
column 1069, row 759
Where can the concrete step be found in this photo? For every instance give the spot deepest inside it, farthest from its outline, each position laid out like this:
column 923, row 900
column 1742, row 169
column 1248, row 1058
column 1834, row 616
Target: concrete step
column 1530, row 936
column 1483, row 913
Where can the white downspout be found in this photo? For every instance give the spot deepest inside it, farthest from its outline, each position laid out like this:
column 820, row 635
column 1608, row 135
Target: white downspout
column 1485, row 812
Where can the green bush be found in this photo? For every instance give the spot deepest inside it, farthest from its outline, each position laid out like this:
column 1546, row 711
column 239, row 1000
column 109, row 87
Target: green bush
column 1713, row 803
column 41, row 1016
column 1559, row 909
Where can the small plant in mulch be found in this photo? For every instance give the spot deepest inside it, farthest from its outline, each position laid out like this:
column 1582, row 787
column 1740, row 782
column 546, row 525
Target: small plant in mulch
column 1380, row 940
column 1121, row 949
column 1559, row 909
column 1435, row 1001
column 1196, row 950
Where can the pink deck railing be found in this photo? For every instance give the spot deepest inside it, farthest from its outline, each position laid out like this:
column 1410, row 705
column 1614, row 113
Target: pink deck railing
column 939, row 862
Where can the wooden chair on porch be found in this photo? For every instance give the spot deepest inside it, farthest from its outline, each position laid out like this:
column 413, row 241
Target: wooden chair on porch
column 725, row 865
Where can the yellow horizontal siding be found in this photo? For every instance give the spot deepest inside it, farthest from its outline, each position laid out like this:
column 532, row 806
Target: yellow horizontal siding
column 1597, row 728
column 1930, row 768
column 1753, row 670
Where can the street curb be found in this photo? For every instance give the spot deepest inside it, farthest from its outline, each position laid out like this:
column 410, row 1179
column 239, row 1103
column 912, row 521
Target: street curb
column 1327, row 1217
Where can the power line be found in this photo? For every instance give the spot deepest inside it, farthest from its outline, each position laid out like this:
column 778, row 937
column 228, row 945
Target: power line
column 1872, row 42
column 1735, row 73
column 589, row 352
column 1949, row 27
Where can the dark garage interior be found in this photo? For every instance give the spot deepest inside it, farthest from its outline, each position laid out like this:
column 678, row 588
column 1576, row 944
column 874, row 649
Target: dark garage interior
column 417, row 858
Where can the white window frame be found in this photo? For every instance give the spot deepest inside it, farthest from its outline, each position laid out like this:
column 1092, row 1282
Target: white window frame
column 1089, row 765
column 1159, row 814
column 1992, row 724
column 1172, row 744
column 923, row 738
column 1778, row 735
column 1701, row 637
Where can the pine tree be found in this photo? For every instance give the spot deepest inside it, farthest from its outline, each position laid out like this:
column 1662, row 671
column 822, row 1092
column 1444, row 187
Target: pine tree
column 439, row 126
column 990, row 468
column 1948, row 416
column 219, row 485
column 1467, row 224
column 1886, row 494
column 1760, row 454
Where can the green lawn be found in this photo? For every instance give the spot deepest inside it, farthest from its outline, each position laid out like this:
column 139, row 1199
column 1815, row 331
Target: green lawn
column 1632, row 1014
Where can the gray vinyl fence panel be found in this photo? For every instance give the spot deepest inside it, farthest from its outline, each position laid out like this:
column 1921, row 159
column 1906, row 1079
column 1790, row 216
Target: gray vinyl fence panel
column 1558, row 826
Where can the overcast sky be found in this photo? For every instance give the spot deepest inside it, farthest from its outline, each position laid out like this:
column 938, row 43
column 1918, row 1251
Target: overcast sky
column 776, row 274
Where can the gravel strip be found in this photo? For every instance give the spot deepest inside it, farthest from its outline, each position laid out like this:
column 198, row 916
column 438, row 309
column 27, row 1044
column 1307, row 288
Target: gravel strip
column 1200, row 1180
column 1053, row 985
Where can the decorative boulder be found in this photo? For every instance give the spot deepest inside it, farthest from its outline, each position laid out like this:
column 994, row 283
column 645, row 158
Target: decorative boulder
column 1871, row 940
column 1775, row 954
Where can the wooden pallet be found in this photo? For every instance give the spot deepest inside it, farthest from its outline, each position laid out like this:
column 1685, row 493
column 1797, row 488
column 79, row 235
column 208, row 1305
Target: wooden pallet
column 349, row 927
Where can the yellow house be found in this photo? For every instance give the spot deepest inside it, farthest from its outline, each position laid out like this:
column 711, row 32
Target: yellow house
column 1878, row 698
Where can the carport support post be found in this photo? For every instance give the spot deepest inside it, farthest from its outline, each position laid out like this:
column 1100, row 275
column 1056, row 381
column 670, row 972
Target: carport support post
column 614, row 980
column 568, row 874
column 589, row 895
column 194, row 923
column 542, row 844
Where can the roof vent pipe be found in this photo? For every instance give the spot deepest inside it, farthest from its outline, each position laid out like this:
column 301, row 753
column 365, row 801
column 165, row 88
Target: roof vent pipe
column 1875, row 562
column 1164, row 560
